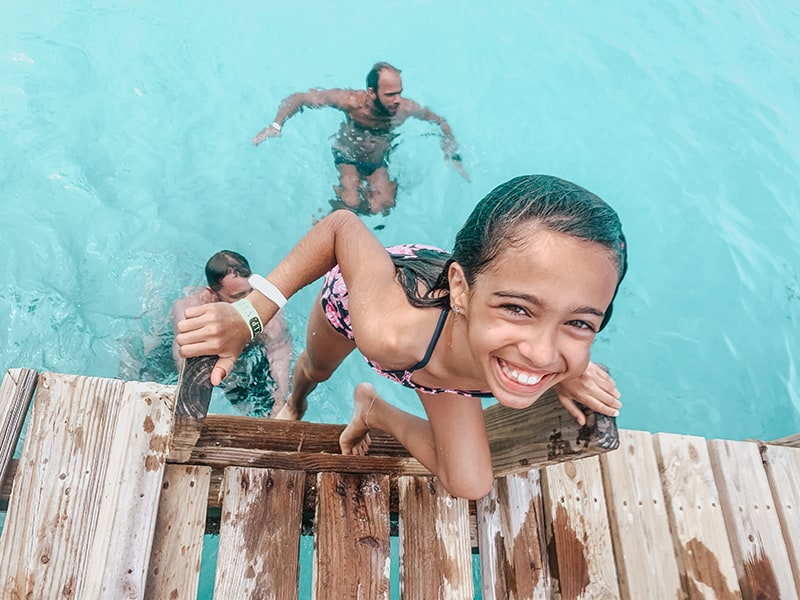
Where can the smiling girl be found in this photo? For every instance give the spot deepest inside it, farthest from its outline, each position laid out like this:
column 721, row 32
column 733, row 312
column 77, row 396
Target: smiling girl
column 511, row 313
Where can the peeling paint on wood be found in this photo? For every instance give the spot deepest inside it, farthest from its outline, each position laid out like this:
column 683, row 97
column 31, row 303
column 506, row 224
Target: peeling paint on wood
column 258, row 554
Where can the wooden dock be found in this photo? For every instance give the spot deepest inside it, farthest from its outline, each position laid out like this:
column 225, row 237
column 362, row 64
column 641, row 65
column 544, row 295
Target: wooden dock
column 114, row 488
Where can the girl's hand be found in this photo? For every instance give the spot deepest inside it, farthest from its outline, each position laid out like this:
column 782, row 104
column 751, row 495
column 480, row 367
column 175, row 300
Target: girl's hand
column 213, row 329
column 595, row 389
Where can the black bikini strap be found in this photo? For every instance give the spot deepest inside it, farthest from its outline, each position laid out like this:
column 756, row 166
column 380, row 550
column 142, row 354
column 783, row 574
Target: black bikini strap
column 432, row 345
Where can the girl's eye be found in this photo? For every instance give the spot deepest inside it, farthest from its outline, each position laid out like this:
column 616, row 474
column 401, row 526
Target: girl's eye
column 515, row 309
column 582, row 325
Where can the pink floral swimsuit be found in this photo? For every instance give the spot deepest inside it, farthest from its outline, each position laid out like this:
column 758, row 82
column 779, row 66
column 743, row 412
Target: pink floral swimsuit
column 335, row 305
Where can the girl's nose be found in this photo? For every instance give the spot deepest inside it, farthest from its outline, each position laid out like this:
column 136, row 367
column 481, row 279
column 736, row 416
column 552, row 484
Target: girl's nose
column 540, row 348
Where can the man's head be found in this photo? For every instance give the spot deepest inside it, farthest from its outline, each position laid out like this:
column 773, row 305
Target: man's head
column 385, row 87
column 227, row 272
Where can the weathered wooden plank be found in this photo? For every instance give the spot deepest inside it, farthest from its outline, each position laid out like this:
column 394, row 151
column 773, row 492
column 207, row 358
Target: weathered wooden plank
column 351, row 541
column 259, row 541
column 215, row 494
column 70, row 510
column 512, row 539
column 235, row 431
column 543, row 434
column 646, row 561
column 783, row 470
column 790, row 440
column 174, row 569
column 314, row 462
column 16, row 392
column 577, row 523
column 754, row 528
column 192, row 398
column 520, row 440
column 53, row 509
column 434, row 541
column 698, row 526
column 129, row 503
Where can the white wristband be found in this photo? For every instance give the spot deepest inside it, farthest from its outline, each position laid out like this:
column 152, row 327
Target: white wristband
column 276, row 126
column 250, row 316
column 267, row 289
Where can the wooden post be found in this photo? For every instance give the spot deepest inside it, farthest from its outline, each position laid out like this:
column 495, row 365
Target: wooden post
column 544, row 433
column 792, row 441
column 351, row 539
column 15, row 398
column 174, row 570
column 259, row 541
column 759, row 551
column 698, row 526
column 435, row 549
column 81, row 518
column 640, row 524
column 191, row 405
column 512, row 539
column 783, row 470
column 577, row 523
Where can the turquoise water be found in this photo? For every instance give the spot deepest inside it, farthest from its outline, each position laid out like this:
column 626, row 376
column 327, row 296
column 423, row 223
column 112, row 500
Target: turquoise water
column 127, row 162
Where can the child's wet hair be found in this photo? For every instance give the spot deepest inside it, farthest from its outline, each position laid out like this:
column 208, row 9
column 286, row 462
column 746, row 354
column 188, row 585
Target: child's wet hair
column 539, row 201
column 496, row 224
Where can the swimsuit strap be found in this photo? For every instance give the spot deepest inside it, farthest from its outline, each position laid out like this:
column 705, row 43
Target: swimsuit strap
column 431, row 346
column 434, row 339
column 403, row 376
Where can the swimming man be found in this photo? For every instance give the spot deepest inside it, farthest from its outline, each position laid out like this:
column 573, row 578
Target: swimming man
column 365, row 139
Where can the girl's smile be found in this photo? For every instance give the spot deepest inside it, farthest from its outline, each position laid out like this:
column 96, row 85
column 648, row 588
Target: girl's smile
column 532, row 317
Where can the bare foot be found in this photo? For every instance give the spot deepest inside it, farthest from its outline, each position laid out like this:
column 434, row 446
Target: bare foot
column 290, row 413
column 355, row 437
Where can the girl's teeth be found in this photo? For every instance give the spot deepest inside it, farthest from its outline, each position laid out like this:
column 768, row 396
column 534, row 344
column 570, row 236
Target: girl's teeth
column 531, row 379
column 522, row 378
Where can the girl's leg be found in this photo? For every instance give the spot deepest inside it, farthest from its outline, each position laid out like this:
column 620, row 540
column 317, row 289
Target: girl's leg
column 452, row 444
column 325, row 350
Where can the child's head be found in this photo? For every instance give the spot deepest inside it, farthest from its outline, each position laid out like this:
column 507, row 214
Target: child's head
column 509, row 213
column 535, row 270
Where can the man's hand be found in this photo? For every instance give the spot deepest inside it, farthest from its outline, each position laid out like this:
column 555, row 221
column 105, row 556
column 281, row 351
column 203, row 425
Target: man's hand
column 450, row 150
column 456, row 160
column 271, row 130
column 595, row 389
column 213, row 329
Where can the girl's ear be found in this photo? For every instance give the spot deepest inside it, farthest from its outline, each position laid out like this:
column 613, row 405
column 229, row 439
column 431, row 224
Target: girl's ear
column 459, row 288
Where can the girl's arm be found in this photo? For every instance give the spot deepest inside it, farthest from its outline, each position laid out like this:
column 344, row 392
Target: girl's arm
column 341, row 237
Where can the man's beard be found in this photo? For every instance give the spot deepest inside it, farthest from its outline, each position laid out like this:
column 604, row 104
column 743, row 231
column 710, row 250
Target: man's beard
column 381, row 109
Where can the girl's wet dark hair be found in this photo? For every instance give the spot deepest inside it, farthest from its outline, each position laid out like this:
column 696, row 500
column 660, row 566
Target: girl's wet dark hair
column 495, row 225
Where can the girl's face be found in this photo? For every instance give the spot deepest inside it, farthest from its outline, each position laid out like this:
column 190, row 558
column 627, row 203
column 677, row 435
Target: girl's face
column 533, row 315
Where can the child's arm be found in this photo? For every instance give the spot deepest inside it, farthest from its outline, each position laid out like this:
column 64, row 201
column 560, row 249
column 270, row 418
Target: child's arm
column 340, row 238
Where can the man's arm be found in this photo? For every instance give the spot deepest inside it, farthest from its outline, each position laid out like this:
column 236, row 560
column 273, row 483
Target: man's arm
column 344, row 100
column 449, row 145
column 278, row 346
